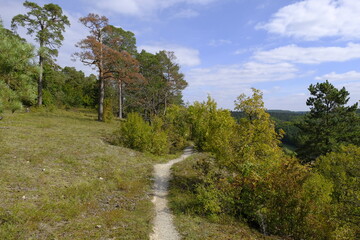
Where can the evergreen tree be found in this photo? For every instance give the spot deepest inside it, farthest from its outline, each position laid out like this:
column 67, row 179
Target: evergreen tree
column 48, row 24
column 16, row 70
column 329, row 123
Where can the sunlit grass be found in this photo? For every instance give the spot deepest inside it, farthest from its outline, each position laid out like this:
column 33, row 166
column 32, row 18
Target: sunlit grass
column 60, row 179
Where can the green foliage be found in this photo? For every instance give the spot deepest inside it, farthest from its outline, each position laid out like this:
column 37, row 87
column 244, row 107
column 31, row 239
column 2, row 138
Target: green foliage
column 137, row 134
column 212, row 129
column 16, row 84
column 342, row 168
column 68, row 87
column 177, row 127
column 163, row 86
column 248, row 176
column 159, row 138
column 47, row 23
column 134, row 133
column 329, row 122
column 108, row 110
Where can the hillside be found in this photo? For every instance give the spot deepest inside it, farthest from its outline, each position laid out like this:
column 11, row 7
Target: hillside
column 61, row 180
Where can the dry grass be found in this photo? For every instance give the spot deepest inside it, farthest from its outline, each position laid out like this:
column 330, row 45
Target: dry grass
column 185, row 207
column 59, row 179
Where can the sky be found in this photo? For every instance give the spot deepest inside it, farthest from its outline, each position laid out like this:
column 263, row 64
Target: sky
column 227, row 47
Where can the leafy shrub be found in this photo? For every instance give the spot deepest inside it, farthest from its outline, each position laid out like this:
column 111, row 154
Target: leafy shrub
column 342, row 168
column 177, row 127
column 137, row 134
column 159, row 139
column 134, row 133
column 15, row 106
column 108, row 110
column 249, row 176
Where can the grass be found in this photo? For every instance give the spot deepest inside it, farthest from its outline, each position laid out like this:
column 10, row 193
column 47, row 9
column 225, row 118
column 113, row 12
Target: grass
column 191, row 225
column 60, row 179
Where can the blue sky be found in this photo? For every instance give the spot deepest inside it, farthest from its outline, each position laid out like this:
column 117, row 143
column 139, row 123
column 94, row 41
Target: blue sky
column 225, row 47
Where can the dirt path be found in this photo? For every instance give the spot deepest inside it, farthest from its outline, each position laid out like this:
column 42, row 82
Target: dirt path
column 164, row 228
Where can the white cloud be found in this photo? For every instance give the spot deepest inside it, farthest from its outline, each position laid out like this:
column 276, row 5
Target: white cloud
column 140, row 8
column 219, row 42
column 337, row 77
column 310, row 55
column 186, row 13
column 237, row 75
column 185, row 56
column 315, row 19
column 294, row 102
column 225, row 83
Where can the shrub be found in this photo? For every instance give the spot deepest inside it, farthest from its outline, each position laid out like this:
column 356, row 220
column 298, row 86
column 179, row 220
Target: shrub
column 137, row 134
column 159, row 138
column 177, row 127
column 342, row 168
column 134, row 133
column 108, row 110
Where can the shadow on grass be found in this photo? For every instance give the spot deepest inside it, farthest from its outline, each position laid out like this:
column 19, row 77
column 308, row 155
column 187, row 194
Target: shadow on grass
column 181, row 195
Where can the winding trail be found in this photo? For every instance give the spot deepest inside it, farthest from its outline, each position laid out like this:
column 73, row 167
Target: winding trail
column 164, row 228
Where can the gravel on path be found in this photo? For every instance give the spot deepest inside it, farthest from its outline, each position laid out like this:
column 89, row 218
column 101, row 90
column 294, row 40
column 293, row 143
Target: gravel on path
column 164, row 228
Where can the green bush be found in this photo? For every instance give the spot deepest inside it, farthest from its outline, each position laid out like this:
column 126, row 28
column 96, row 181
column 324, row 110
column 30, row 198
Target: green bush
column 342, row 168
column 248, row 176
column 15, row 106
column 1, row 106
column 177, row 127
column 137, row 134
column 134, row 133
column 159, row 138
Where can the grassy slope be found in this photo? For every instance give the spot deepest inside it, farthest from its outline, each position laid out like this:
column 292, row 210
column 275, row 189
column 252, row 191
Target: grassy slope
column 59, row 180
column 192, row 226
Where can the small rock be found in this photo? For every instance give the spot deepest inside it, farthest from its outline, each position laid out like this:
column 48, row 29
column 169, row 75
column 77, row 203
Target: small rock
column 43, row 170
column 98, row 226
column 101, row 178
column 23, row 197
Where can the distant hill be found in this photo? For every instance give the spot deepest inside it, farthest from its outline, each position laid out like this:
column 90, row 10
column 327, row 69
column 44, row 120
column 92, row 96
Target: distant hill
column 283, row 115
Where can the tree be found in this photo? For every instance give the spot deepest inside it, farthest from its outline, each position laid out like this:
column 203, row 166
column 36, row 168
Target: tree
column 126, row 70
column 164, row 82
column 16, row 70
column 329, row 123
column 96, row 53
column 48, row 24
column 342, row 168
column 175, row 81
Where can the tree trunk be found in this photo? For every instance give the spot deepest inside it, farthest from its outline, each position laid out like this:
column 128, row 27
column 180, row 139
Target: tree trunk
column 101, row 84
column 101, row 97
column 40, row 80
column 120, row 100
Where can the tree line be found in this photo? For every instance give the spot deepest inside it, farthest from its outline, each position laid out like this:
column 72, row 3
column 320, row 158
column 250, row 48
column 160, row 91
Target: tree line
column 126, row 80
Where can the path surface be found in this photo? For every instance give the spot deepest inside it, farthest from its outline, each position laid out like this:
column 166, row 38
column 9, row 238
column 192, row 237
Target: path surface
column 164, row 228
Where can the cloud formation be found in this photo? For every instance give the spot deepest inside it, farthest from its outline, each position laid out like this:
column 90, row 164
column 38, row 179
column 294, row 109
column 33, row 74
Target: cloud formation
column 141, row 8
column 310, row 55
column 339, row 77
column 219, row 42
column 186, row 13
column 316, row 19
column 232, row 76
